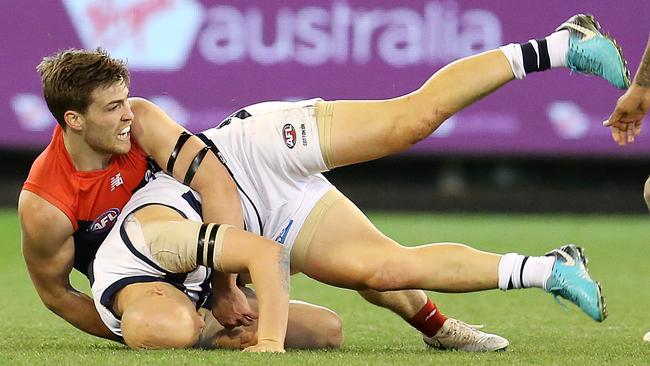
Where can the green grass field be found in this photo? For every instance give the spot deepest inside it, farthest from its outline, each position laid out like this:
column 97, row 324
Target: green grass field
column 540, row 331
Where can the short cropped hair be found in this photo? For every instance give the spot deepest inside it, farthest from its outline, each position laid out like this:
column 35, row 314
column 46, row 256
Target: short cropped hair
column 70, row 76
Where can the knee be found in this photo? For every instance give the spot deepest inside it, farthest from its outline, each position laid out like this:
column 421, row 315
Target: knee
column 425, row 117
column 385, row 278
column 384, row 275
column 179, row 328
column 332, row 331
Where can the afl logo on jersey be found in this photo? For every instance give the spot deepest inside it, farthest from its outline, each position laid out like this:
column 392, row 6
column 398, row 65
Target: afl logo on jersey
column 289, row 134
column 104, row 221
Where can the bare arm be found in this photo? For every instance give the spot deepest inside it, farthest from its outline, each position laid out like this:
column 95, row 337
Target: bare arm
column 48, row 249
column 631, row 108
column 157, row 134
column 268, row 264
column 642, row 77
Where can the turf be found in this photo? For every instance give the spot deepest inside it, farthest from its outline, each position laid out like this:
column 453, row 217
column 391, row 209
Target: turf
column 540, row 331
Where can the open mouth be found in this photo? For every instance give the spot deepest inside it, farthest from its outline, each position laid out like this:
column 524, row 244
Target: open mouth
column 124, row 134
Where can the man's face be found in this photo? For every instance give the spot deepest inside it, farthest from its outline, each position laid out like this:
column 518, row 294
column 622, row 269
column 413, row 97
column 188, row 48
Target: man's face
column 108, row 120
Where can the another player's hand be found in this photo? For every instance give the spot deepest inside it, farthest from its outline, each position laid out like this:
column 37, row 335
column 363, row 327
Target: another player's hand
column 625, row 123
column 266, row 346
column 231, row 308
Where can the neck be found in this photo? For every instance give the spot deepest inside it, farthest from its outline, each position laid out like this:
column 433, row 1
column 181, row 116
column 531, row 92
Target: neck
column 83, row 157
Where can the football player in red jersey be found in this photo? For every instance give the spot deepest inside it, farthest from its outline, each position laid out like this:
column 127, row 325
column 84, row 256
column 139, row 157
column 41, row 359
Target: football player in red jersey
column 98, row 156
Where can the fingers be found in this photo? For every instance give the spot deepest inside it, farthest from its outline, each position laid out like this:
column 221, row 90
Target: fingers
column 242, row 319
column 630, row 135
column 256, row 349
column 614, row 118
column 637, row 128
column 249, row 312
column 246, row 320
column 271, row 348
column 624, row 133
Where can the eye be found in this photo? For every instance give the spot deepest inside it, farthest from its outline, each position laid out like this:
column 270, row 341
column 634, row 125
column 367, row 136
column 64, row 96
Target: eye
column 113, row 107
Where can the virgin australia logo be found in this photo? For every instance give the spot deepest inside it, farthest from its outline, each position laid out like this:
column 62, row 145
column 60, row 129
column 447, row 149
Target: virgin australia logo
column 145, row 32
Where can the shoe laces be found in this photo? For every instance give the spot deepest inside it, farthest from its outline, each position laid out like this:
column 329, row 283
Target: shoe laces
column 462, row 332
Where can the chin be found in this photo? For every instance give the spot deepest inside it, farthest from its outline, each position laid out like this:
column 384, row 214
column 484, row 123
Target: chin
column 122, row 148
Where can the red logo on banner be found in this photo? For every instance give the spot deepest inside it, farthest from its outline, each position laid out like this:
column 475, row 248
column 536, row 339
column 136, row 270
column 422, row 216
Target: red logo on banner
column 146, row 32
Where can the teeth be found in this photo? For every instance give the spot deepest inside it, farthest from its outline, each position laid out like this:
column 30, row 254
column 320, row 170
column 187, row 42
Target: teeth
column 126, row 130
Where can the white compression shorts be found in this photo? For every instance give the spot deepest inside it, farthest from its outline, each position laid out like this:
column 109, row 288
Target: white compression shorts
column 273, row 153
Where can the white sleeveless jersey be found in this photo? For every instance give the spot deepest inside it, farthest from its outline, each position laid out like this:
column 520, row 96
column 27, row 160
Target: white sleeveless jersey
column 121, row 261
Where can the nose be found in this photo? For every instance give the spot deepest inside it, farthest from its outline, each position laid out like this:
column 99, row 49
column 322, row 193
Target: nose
column 128, row 115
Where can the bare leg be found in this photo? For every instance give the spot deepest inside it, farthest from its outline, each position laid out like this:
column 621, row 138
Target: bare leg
column 367, row 130
column 367, row 259
column 405, row 303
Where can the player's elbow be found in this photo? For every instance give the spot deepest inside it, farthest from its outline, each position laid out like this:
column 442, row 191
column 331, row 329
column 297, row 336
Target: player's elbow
column 646, row 192
column 51, row 301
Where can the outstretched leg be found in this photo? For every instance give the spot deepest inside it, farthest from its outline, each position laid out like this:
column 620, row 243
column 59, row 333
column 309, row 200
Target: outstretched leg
column 346, row 250
column 357, row 131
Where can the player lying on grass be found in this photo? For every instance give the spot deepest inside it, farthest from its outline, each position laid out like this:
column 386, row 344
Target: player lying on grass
column 275, row 152
column 80, row 183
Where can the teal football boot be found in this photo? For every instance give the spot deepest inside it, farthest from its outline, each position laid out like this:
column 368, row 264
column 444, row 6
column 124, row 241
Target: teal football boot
column 594, row 53
column 570, row 280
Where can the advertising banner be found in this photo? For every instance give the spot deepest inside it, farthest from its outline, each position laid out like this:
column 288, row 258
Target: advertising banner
column 202, row 60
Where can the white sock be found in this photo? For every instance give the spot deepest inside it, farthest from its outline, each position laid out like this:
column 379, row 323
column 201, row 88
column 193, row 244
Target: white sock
column 506, row 268
column 519, row 271
column 513, row 53
column 524, row 59
column 558, row 46
column 537, row 270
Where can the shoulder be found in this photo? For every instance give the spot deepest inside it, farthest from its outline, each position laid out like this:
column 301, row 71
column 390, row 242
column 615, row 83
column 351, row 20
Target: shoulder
column 142, row 106
column 152, row 128
column 51, row 181
column 40, row 218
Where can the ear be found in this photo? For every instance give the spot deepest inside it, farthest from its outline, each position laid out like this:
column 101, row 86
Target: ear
column 73, row 120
